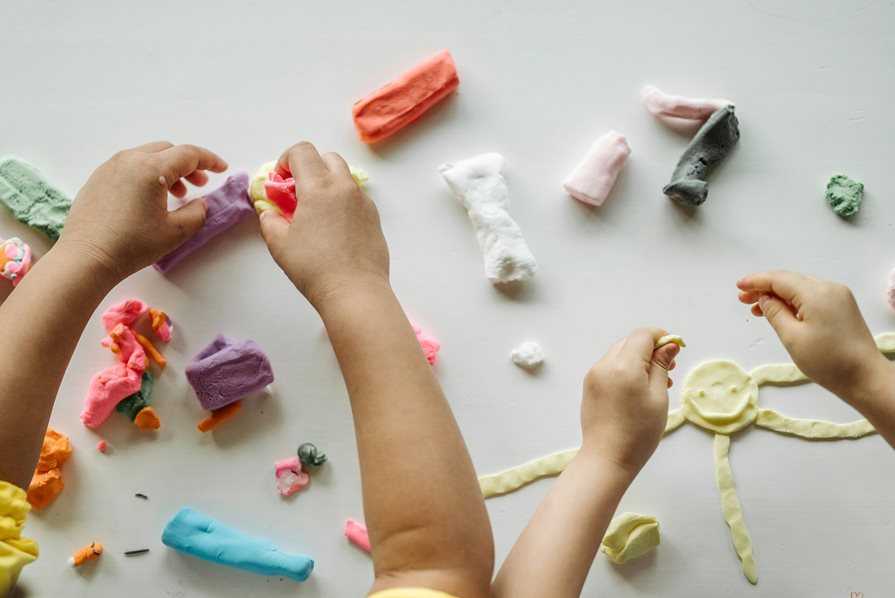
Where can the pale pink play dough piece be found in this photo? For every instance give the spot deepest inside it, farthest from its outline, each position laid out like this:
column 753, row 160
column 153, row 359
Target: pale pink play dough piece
column 357, row 533
column 593, row 178
column 428, row 343
column 127, row 312
column 660, row 103
column 890, row 289
column 112, row 385
column 290, row 475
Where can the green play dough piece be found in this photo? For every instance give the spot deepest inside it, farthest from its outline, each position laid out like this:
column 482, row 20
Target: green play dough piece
column 135, row 403
column 844, row 195
column 30, row 198
column 309, row 454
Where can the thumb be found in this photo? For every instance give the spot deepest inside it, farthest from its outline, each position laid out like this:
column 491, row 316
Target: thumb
column 186, row 220
column 274, row 227
column 778, row 313
column 659, row 365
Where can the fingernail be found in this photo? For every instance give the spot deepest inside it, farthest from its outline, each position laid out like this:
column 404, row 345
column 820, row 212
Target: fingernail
column 763, row 300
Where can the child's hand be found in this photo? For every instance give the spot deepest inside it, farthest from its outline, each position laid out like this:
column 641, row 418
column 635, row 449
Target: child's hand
column 625, row 405
column 120, row 221
column 820, row 325
column 335, row 241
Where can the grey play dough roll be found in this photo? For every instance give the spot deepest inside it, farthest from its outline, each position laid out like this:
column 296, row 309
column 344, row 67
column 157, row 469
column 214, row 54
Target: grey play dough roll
column 709, row 146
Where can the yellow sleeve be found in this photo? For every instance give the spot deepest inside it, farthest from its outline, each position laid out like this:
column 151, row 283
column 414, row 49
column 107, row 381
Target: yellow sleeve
column 15, row 551
column 410, row 593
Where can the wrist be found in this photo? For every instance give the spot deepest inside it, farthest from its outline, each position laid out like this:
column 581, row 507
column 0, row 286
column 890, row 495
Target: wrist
column 876, row 382
column 87, row 263
column 351, row 293
column 595, row 458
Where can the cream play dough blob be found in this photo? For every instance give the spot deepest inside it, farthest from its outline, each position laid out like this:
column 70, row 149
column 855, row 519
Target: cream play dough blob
column 630, row 536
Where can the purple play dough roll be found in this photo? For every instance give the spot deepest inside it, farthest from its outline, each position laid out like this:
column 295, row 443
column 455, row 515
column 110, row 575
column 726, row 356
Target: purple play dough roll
column 227, row 205
column 227, row 370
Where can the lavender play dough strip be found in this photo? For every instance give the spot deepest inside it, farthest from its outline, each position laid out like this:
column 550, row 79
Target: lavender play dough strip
column 227, row 370
column 227, row 205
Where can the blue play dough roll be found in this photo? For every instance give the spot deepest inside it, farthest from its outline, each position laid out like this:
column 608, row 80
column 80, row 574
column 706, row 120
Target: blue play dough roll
column 197, row 534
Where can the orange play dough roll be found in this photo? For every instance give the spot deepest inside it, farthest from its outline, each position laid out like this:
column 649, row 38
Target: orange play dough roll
column 405, row 98
column 219, row 416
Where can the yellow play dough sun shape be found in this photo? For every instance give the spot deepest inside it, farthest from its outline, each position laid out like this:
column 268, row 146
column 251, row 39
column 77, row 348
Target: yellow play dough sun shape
column 721, row 397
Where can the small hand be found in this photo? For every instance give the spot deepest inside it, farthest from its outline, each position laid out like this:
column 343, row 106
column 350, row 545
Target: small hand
column 625, row 405
column 119, row 221
column 335, row 241
column 821, row 326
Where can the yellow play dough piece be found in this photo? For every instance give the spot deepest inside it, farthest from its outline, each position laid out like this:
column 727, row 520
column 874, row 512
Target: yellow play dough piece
column 259, row 196
column 780, row 374
column 516, row 477
column 720, row 396
column 885, row 342
column 730, row 507
column 629, row 536
column 670, row 338
column 812, row 428
column 675, row 420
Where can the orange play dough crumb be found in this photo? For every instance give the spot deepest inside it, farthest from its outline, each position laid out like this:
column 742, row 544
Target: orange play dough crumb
column 87, row 553
column 147, row 419
column 151, row 350
column 219, row 416
column 47, row 483
column 406, row 98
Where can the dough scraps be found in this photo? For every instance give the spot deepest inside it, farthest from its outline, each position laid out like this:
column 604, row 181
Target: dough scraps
column 357, row 533
column 91, row 552
column 663, row 104
column 310, row 455
column 528, row 356
column 31, row 199
column 290, row 475
column 428, row 343
column 219, row 416
column 514, row 478
column 630, row 536
column 226, row 206
column 102, row 446
column 671, row 338
column 47, row 483
column 227, row 370
column 844, row 195
column 478, row 184
column 270, row 191
column 198, row 535
column 709, row 146
column 406, row 98
column 592, row 179
column 15, row 260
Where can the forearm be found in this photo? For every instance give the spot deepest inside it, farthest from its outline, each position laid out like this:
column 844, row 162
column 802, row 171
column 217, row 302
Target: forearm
column 424, row 509
column 875, row 399
column 554, row 554
column 41, row 323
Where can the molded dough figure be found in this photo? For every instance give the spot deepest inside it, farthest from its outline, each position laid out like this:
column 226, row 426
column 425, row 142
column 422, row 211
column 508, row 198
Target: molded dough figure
column 479, row 186
column 721, row 397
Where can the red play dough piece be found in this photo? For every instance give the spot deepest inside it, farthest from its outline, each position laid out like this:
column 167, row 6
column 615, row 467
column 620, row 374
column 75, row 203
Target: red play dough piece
column 405, row 98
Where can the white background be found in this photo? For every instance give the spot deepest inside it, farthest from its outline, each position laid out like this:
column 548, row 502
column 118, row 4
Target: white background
column 813, row 82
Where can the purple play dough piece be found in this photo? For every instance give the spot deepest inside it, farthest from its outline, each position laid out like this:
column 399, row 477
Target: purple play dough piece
column 227, row 205
column 227, row 370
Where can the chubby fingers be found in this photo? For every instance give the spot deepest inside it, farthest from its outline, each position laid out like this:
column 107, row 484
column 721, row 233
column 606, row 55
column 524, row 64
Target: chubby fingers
column 791, row 287
column 302, row 162
column 185, row 161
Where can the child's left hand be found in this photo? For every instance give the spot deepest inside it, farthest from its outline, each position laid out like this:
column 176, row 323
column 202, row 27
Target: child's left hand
column 625, row 405
column 120, row 221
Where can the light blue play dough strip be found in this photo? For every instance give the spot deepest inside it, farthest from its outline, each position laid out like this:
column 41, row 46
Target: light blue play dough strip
column 196, row 534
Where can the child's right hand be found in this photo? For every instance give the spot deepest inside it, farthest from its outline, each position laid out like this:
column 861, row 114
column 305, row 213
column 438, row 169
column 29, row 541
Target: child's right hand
column 334, row 242
column 821, row 326
column 625, row 405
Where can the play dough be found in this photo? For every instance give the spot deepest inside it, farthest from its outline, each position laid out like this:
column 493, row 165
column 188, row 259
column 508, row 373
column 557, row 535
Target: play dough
column 629, row 536
column 310, row 455
column 406, row 98
column 721, row 397
column 428, row 343
column 479, row 186
column 660, row 103
column 529, row 355
column 47, row 483
column 268, row 190
column 226, row 206
column 219, row 416
column 199, row 535
column 227, row 370
column 357, row 533
column 30, row 198
column 15, row 259
column 290, row 475
column 669, row 339
column 710, row 145
column 91, row 552
column 592, row 179
column 844, row 195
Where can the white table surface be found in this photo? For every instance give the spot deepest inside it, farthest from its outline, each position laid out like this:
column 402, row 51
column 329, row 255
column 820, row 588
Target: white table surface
column 813, row 83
